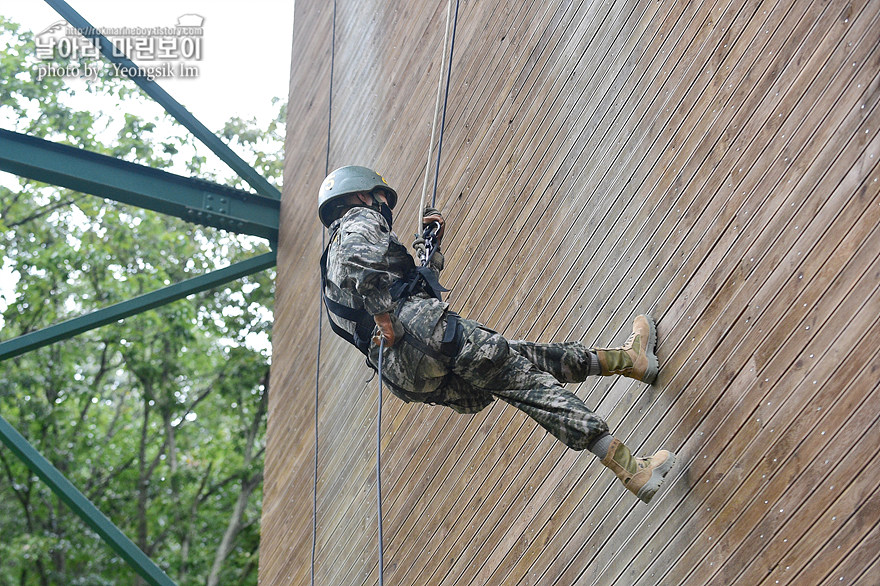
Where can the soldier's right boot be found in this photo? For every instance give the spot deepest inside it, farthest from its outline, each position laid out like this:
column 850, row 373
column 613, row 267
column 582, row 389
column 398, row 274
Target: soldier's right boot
column 636, row 358
column 641, row 476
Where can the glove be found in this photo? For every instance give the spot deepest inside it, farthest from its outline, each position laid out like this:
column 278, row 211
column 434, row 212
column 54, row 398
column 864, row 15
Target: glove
column 419, row 246
column 388, row 328
column 432, row 215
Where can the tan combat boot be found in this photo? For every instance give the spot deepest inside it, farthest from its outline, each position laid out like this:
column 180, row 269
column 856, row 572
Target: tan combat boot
column 636, row 358
column 641, row 476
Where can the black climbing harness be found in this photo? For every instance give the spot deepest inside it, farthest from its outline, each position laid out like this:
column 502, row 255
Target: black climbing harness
column 417, row 280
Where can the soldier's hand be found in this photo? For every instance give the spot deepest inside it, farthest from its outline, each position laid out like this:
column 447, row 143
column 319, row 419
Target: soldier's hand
column 387, row 328
column 419, row 246
column 432, row 215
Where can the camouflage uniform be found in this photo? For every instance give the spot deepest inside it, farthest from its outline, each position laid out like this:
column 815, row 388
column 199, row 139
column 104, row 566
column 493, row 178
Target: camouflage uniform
column 364, row 261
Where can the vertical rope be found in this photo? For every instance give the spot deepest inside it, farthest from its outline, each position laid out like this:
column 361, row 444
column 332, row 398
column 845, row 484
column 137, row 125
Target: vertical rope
column 320, row 301
column 315, row 485
column 418, row 231
column 330, row 96
column 445, row 102
column 434, row 122
column 379, row 467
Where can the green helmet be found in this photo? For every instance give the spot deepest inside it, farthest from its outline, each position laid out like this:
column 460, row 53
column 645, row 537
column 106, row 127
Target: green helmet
column 345, row 181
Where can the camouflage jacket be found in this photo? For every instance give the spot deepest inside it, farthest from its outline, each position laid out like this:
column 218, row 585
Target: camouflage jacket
column 364, row 261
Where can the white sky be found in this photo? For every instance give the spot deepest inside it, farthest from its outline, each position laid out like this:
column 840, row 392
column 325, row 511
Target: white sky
column 246, row 59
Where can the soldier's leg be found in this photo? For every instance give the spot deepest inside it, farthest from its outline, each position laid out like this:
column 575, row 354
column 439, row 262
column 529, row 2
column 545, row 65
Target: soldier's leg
column 568, row 362
column 560, row 412
column 573, row 362
column 488, row 363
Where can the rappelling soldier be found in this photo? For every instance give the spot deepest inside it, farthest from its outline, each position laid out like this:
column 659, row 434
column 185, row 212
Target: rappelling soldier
column 376, row 296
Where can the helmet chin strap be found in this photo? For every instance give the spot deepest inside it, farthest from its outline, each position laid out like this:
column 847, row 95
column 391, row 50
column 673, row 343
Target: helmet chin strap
column 379, row 206
column 385, row 210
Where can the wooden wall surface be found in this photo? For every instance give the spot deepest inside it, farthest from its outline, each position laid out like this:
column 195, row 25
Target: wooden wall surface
column 713, row 162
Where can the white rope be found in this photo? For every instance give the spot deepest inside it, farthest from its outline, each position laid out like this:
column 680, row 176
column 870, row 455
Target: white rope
column 434, row 123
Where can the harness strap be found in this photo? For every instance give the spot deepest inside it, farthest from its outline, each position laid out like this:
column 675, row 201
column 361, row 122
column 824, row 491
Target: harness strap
column 364, row 323
column 453, row 337
column 363, row 326
column 453, row 340
column 419, row 280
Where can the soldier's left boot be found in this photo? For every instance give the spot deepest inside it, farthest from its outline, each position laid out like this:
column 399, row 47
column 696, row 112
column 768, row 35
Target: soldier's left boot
column 641, row 476
column 636, row 358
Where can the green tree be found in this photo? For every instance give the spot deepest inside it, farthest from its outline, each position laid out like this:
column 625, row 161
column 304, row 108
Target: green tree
column 158, row 419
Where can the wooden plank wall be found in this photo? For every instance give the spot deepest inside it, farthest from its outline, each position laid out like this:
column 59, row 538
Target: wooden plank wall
column 713, row 162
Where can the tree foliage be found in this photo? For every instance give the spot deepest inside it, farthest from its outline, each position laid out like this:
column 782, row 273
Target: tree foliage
column 158, row 419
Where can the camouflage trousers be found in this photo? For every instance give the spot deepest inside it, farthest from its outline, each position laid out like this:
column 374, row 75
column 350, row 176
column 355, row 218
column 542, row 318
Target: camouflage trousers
column 527, row 375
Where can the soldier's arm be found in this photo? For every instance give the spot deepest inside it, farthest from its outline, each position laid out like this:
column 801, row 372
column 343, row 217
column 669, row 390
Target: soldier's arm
column 364, row 259
column 437, row 260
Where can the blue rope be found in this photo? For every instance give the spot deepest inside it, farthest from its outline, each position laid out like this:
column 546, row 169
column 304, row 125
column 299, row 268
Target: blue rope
column 379, row 466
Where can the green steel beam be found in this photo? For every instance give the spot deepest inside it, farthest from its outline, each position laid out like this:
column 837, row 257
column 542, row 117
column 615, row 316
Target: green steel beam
column 194, row 200
column 82, row 506
column 171, row 105
column 108, row 315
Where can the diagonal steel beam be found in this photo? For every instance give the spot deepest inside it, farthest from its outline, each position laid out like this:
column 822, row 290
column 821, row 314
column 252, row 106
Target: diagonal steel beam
column 194, row 200
column 171, row 105
column 82, row 506
column 108, row 315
